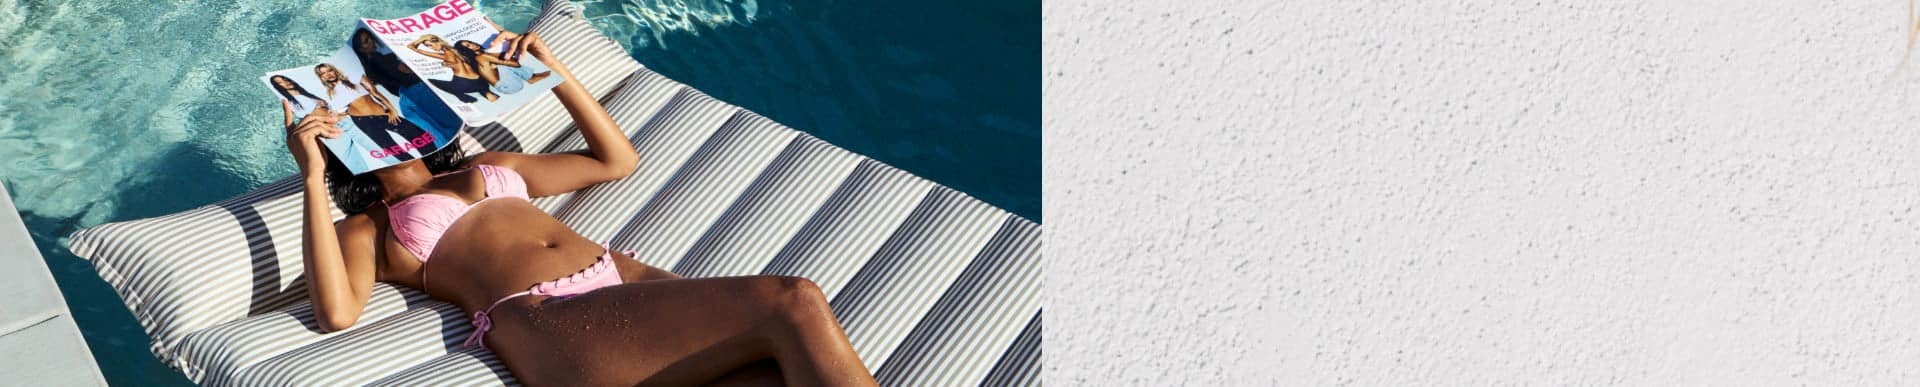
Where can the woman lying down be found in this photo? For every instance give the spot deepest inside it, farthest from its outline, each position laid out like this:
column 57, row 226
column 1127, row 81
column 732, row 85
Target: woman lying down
column 557, row 308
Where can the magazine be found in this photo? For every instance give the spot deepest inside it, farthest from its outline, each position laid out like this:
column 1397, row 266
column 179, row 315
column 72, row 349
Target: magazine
column 402, row 101
column 471, row 64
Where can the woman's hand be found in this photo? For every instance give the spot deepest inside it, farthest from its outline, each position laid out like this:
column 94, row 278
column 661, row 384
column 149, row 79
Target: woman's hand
column 303, row 137
column 522, row 42
column 393, row 116
column 415, row 46
column 508, row 36
column 532, row 44
column 504, row 35
column 609, row 154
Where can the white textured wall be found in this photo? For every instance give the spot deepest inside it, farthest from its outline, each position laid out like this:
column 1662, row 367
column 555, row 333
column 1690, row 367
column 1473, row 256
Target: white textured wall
column 1465, row 192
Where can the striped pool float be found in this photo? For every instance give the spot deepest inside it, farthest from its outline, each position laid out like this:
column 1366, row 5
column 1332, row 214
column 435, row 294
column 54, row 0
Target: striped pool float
column 934, row 287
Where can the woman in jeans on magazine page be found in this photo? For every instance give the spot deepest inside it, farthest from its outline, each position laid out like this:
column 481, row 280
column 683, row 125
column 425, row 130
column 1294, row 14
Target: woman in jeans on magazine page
column 466, row 75
column 370, row 111
column 556, row 307
column 386, row 70
column 291, row 91
column 501, row 71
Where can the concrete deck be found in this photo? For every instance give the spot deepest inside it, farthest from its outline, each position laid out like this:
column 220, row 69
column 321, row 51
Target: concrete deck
column 39, row 343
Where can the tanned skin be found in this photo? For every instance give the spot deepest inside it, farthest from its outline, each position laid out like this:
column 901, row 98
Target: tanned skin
column 655, row 329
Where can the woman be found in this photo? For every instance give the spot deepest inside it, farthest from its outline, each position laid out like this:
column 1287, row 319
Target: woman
column 466, row 73
column 292, row 92
column 503, row 75
column 370, row 111
column 386, row 70
column 557, row 308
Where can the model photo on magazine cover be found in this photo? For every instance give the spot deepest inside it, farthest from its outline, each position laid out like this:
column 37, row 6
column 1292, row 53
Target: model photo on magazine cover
column 376, row 130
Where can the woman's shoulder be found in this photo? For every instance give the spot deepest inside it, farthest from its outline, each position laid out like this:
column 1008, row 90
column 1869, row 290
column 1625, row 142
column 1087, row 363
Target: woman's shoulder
column 495, row 159
column 493, row 171
column 497, row 165
column 361, row 225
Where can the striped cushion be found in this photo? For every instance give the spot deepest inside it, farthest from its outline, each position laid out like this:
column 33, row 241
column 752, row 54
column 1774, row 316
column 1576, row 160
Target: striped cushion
column 1020, row 364
column 932, row 286
column 772, row 210
column 598, row 62
column 694, row 197
column 192, row 270
column 382, row 347
column 970, row 324
column 855, row 221
column 644, row 93
column 923, row 257
column 470, row 367
column 221, row 263
column 664, row 143
column 214, row 354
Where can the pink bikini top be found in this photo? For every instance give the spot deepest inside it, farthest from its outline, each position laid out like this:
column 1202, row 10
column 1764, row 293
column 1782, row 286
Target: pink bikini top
column 419, row 220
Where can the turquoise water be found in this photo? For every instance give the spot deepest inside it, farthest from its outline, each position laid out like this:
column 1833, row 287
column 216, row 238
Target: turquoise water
column 122, row 110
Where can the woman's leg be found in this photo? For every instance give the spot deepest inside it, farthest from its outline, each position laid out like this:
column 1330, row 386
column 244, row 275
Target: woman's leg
column 376, row 128
column 417, row 102
column 760, row 373
column 452, row 87
column 678, row 332
column 510, row 79
column 407, row 130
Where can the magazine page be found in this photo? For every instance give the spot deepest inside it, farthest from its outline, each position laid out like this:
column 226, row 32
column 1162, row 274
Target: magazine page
column 472, row 66
column 384, row 120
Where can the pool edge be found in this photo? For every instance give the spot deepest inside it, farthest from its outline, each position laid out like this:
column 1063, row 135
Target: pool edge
column 39, row 342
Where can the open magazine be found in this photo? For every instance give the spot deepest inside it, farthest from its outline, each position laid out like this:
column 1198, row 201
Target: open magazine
column 402, row 88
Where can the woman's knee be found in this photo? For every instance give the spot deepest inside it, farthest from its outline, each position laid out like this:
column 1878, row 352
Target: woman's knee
column 794, row 295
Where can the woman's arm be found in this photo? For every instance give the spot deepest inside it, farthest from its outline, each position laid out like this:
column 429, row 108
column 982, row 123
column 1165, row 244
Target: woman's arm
column 513, row 51
column 378, row 98
column 337, row 258
column 495, row 59
column 504, row 35
column 415, row 46
column 609, row 155
column 393, row 112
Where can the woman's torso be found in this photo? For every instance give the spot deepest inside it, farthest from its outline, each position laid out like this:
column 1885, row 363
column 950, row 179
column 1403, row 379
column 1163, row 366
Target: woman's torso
column 488, row 71
column 357, row 101
column 459, row 66
column 304, row 104
column 387, row 70
column 498, row 247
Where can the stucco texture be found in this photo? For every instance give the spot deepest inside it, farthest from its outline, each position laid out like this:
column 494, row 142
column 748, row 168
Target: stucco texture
column 1481, row 192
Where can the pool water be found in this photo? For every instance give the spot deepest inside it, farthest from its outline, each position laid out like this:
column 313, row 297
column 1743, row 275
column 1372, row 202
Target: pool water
column 123, row 110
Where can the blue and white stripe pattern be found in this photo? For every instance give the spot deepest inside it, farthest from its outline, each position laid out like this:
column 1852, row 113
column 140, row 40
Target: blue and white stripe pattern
column 932, row 286
column 662, row 232
column 771, row 211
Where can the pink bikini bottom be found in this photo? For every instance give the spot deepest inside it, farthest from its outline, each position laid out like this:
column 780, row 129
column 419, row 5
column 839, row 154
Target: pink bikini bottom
column 601, row 274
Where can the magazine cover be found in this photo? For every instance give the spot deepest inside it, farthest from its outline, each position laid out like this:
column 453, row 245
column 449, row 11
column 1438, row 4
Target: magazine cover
column 384, row 118
column 473, row 66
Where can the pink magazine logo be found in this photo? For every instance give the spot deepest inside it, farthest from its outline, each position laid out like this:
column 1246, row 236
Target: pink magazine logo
column 424, row 140
column 439, row 14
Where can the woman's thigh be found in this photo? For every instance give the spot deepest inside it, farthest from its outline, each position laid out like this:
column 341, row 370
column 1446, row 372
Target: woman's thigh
column 670, row 332
column 632, row 270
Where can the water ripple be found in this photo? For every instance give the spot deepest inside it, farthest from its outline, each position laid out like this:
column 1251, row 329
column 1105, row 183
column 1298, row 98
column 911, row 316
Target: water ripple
column 122, row 110
column 109, row 88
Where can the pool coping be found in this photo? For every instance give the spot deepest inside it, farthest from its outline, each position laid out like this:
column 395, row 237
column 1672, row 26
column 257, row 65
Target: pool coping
column 39, row 342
